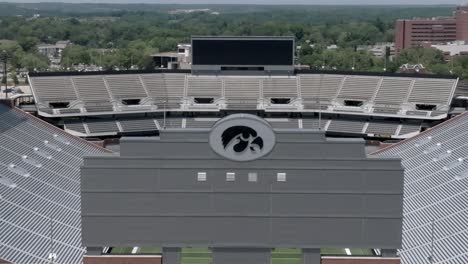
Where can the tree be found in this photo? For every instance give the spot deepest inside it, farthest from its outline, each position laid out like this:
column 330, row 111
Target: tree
column 75, row 54
column 33, row 62
column 15, row 79
column 28, row 43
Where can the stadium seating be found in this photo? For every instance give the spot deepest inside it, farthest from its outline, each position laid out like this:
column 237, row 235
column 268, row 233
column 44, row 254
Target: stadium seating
column 200, row 122
column 375, row 128
column 169, row 122
column 435, row 196
column 204, row 87
column 409, row 128
column 102, row 126
column 347, row 126
column 314, row 123
column 241, row 93
column 283, row 123
column 137, row 124
column 76, row 126
column 53, row 89
column 382, row 128
column 431, row 91
column 126, row 86
column 91, row 88
column 320, row 86
column 357, row 87
column 40, row 190
column 393, row 91
column 397, row 96
column 280, row 88
column 167, row 90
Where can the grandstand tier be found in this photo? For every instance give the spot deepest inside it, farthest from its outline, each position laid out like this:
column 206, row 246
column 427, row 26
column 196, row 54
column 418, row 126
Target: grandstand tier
column 374, row 128
column 40, row 189
column 120, row 93
column 435, row 196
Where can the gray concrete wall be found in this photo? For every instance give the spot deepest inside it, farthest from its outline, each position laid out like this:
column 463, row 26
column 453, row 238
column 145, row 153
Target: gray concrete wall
column 334, row 196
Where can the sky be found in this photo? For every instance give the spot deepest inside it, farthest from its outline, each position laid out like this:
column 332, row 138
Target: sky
column 311, row 2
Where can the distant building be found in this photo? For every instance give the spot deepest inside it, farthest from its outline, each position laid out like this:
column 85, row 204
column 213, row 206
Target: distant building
column 412, row 32
column 180, row 59
column 379, row 50
column 457, row 48
column 53, row 52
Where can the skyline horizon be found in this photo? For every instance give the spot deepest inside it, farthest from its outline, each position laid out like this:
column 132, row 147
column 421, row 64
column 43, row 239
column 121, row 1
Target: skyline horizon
column 255, row 2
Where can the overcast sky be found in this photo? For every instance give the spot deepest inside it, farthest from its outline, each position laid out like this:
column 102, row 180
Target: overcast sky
column 311, row 2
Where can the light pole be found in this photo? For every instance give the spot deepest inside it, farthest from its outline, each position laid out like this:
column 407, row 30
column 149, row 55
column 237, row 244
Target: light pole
column 4, row 58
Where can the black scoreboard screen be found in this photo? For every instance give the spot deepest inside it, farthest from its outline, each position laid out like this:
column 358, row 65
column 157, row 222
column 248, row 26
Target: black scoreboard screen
column 243, row 52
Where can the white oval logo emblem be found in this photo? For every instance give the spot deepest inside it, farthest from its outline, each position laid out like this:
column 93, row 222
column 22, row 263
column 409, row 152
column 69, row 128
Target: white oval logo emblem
column 242, row 137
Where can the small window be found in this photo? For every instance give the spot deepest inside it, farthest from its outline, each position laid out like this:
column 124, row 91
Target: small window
column 131, row 101
column 201, row 177
column 253, row 177
column 354, row 103
column 203, row 100
column 281, row 177
column 230, row 176
column 280, row 100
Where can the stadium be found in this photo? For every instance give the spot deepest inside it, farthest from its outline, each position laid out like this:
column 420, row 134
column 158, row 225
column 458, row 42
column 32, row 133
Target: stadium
column 400, row 201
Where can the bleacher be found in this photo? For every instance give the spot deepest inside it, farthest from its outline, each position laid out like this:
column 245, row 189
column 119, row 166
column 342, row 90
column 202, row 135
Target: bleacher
column 393, row 91
column 382, row 128
column 241, row 93
column 40, row 190
column 126, row 86
column 110, row 127
column 364, row 95
column 435, row 192
column 360, row 88
column 137, row 125
column 346, row 126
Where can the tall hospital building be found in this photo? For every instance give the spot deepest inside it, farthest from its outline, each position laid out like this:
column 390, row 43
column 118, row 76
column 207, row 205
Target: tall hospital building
column 413, row 32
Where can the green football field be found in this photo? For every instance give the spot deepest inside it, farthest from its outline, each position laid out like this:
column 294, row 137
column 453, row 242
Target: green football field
column 278, row 256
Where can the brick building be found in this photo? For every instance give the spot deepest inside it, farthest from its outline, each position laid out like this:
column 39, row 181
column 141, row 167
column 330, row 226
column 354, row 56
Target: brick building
column 413, row 32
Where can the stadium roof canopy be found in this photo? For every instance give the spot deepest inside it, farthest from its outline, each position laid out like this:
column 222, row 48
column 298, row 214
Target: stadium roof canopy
column 435, row 193
column 39, row 190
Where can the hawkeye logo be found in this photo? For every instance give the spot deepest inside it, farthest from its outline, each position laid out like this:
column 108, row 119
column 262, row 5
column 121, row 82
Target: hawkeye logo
column 242, row 137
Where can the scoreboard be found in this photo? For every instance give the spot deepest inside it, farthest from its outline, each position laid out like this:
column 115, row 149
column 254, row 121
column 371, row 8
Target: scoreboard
column 249, row 52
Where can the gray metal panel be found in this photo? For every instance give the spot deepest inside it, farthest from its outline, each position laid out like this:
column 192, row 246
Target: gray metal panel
column 333, row 196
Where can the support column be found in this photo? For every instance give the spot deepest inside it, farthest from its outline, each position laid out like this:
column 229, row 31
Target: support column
column 172, row 255
column 241, row 255
column 311, row 256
